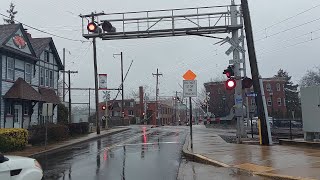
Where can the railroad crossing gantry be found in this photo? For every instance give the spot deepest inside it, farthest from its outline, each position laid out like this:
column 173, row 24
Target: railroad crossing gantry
column 162, row 23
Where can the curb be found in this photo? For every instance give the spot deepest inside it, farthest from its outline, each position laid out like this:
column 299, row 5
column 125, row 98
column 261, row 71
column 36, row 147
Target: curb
column 53, row 150
column 205, row 160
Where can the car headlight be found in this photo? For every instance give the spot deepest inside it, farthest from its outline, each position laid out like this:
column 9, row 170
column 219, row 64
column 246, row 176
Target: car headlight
column 37, row 164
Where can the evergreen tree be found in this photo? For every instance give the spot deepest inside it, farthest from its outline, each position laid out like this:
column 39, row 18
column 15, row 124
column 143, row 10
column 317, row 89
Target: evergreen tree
column 12, row 13
column 291, row 93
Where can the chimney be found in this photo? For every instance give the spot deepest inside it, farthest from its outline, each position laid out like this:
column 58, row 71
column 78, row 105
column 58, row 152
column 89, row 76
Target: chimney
column 141, row 102
column 28, row 34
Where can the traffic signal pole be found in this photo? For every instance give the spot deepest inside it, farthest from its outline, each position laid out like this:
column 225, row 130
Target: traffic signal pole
column 255, row 71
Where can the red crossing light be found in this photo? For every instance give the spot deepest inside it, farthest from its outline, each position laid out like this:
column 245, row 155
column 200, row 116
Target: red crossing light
column 92, row 27
column 104, row 107
column 230, row 84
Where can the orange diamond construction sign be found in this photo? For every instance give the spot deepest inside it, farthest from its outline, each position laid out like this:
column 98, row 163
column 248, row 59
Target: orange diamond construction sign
column 189, row 75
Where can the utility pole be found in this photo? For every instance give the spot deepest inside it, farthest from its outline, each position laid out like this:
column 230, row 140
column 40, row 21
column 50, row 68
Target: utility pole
column 96, row 82
column 69, row 89
column 64, row 76
column 175, row 108
column 121, row 87
column 157, row 94
column 255, row 71
column 122, row 92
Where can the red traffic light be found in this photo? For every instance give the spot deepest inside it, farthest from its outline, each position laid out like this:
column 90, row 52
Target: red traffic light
column 229, row 72
column 92, row 27
column 230, row 84
column 104, row 107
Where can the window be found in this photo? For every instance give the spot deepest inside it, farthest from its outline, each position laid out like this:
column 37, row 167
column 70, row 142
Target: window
column 278, row 87
column 269, row 101
column 28, row 72
column 47, row 56
column 284, row 101
column 25, row 108
column 279, row 101
column 10, row 68
column 253, row 102
column 131, row 104
column 130, row 112
column 41, row 77
column 47, row 77
column 9, row 109
column 268, row 87
column 16, row 115
column 51, row 78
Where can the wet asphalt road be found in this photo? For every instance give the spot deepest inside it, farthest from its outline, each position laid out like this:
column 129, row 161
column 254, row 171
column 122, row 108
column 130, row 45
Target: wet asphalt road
column 141, row 153
column 146, row 154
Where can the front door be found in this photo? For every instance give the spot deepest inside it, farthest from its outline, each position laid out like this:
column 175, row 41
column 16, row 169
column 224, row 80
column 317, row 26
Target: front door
column 17, row 117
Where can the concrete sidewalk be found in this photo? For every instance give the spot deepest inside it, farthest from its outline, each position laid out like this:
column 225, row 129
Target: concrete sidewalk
column 31, row 151
column 283, row 162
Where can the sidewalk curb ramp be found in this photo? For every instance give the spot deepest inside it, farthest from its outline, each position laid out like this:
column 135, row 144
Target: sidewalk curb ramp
column 205, row 160
column 59, row 148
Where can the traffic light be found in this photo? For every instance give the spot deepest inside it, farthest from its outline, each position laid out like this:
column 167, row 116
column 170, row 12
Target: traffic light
column 231, row 84
column 92, row 27
column 229, row 72
column 104, row 107
column 107, row 26
column 246, row 83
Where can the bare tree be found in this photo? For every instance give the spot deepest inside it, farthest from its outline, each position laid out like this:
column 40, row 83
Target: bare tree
column 311, row 78
column 12, row 13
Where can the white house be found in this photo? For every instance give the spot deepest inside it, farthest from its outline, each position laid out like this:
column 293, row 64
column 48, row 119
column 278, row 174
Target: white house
column 30, row 72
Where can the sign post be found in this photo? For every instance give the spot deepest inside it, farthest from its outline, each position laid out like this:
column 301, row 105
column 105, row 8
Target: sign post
column 47, row 111
column 190, row 90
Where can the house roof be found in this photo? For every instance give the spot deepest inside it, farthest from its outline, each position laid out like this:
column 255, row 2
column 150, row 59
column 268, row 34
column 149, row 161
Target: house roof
column 40, row 44
column 22, row 90
column 6, row 30
column 49, row 95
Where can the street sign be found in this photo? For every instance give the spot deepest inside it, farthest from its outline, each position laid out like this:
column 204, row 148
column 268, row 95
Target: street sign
column 189, row 75
column 103, row 82
column 234, row 45
column 189, row 88
column 236, row 61
column 251, row 95
column 47, row 109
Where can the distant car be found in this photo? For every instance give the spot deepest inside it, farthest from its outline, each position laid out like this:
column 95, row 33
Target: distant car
column 19, row 168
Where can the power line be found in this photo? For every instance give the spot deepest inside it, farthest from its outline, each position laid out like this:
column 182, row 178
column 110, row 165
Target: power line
column 291, row 17
column 289, row 29
column 58, row 36
column 292, row 45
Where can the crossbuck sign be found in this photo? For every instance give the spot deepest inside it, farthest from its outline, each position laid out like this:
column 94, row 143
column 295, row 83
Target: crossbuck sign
column 234, row 45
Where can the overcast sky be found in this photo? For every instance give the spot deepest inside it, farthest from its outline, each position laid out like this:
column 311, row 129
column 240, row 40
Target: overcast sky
column 174, row 55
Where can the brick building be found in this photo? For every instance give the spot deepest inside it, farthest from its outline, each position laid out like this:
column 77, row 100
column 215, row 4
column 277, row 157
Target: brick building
column 166, row 113
column 222, row 100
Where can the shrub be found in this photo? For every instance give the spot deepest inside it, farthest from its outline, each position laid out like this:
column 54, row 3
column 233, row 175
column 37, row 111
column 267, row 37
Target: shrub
column 56, row 132
column 78, row 128
column 12, row 139
column 63, row 114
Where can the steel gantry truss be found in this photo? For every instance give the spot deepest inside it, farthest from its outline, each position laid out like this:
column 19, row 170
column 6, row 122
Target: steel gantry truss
column 163, row 23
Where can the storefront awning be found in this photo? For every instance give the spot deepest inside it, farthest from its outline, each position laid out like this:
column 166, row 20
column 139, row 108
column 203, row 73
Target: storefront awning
column 22, row 90
column 49, row 96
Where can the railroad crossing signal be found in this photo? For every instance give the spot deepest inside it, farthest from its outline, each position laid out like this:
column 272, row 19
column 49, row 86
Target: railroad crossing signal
column 234, row 45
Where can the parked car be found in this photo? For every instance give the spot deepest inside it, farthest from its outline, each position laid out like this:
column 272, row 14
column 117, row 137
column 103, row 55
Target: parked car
column 19, row 168
column 255, row 121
